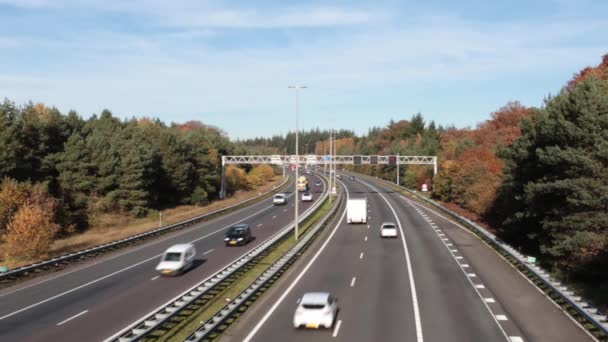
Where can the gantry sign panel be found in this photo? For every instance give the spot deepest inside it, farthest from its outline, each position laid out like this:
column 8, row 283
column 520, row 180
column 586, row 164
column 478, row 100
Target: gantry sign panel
column 312, row 159
column 338, row 160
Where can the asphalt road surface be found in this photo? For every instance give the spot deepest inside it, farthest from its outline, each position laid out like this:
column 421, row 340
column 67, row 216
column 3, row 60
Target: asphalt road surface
column 436, row 282
column 94, row 300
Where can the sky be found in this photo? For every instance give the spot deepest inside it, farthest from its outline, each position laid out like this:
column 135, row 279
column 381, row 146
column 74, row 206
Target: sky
column 229, row 63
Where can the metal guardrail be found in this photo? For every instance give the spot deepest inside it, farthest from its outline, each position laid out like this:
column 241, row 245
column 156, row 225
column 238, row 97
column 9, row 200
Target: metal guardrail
column 58, row 261
column 162, row 314
column 210, row 326
column 591, row 314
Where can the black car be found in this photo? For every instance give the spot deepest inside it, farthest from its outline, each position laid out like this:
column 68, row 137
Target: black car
column 239, row 234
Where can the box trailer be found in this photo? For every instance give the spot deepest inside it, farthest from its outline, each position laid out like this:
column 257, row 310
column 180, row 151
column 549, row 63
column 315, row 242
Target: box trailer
column 356, row 210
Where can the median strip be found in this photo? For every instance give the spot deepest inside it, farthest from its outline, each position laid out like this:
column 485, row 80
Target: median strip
column 284, row 257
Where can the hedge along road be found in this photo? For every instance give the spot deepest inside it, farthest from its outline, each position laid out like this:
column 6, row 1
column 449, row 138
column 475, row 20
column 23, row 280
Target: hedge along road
column 117, row 289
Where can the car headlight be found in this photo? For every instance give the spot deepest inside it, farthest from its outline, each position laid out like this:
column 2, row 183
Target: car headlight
column 227, row 239
column 239, row 239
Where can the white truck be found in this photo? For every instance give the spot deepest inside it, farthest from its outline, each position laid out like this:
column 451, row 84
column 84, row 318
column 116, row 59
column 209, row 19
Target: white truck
column 356, row 210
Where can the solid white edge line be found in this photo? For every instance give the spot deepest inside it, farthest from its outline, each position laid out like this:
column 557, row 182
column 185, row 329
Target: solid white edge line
column 131, row 325
column 121, row 270
column 278, row 302
column 71, row 318
column 135, row 249
column 462, row 267
column 337, row 328
column 410, row 273
column 415, row 205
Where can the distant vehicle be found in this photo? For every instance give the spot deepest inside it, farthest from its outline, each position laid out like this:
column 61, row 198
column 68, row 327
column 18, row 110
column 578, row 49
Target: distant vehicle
column 316, row 310
column 356, row 210
column 239, row 234
column 339, row 176
column 177, row 259
column 318, row 183
column 302, row 183
column 279, row 199
column 307, row 197
column 388, row 229
column 351, row 177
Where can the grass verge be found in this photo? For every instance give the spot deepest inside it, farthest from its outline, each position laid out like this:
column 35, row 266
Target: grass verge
column 554, row 295
column 113, row 227
column 183, row 329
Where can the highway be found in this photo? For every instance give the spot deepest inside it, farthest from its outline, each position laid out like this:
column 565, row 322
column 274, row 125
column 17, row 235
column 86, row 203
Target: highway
column 94, row 300
column 436, row 282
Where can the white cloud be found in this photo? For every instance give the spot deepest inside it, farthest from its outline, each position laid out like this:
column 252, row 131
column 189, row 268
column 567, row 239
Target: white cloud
column 183, row 72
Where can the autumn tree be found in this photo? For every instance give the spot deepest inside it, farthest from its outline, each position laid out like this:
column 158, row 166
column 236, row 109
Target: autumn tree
column 555, row 197
column 30, row 232
column 13, row 195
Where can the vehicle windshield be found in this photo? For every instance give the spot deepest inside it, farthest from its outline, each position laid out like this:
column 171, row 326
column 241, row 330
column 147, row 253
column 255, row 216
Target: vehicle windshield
column 236, row 232
column 279, row 196
column 307, row 194
column 313, row 306
column 173, row 257
column 389, row 226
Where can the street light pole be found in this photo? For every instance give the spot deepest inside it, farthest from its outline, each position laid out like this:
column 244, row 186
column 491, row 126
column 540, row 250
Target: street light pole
column 297, row 88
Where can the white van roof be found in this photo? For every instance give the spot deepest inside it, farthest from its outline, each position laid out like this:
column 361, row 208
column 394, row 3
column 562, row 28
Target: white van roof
column 180, row 248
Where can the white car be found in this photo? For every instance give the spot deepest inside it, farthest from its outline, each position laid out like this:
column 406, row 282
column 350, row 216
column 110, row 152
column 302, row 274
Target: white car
column 307, row 197
column 316, row 310
column 388, row 229
column 177, row 259
column 279, row 199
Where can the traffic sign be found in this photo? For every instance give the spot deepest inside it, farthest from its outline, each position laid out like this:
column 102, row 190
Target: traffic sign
column 357, row 160
column 392, row 160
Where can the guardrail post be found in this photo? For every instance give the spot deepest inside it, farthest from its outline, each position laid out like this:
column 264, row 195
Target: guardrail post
column 223, row 180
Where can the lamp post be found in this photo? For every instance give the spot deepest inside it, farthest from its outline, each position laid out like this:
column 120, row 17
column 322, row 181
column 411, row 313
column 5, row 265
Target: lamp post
column 297, row 88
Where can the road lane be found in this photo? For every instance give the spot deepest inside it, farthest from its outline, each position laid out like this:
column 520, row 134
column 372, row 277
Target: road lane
column 116, row 301
column 379, row 300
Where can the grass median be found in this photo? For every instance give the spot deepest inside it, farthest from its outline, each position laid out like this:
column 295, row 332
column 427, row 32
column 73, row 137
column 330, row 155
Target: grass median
column 187, row 326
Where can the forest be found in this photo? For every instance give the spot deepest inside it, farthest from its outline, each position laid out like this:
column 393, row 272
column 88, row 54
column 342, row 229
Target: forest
column 59, row 172
column 538, row 177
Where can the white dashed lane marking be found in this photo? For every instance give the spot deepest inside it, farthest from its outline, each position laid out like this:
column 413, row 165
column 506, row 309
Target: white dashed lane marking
column 361, row 255
column 337, row 329
column 209, row 251
column 259, row 225
column 71, row 318
column 352, row 282
column 155, row 277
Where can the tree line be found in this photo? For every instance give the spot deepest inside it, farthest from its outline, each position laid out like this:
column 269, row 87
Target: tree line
column 59, row 172
column 537, row 176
